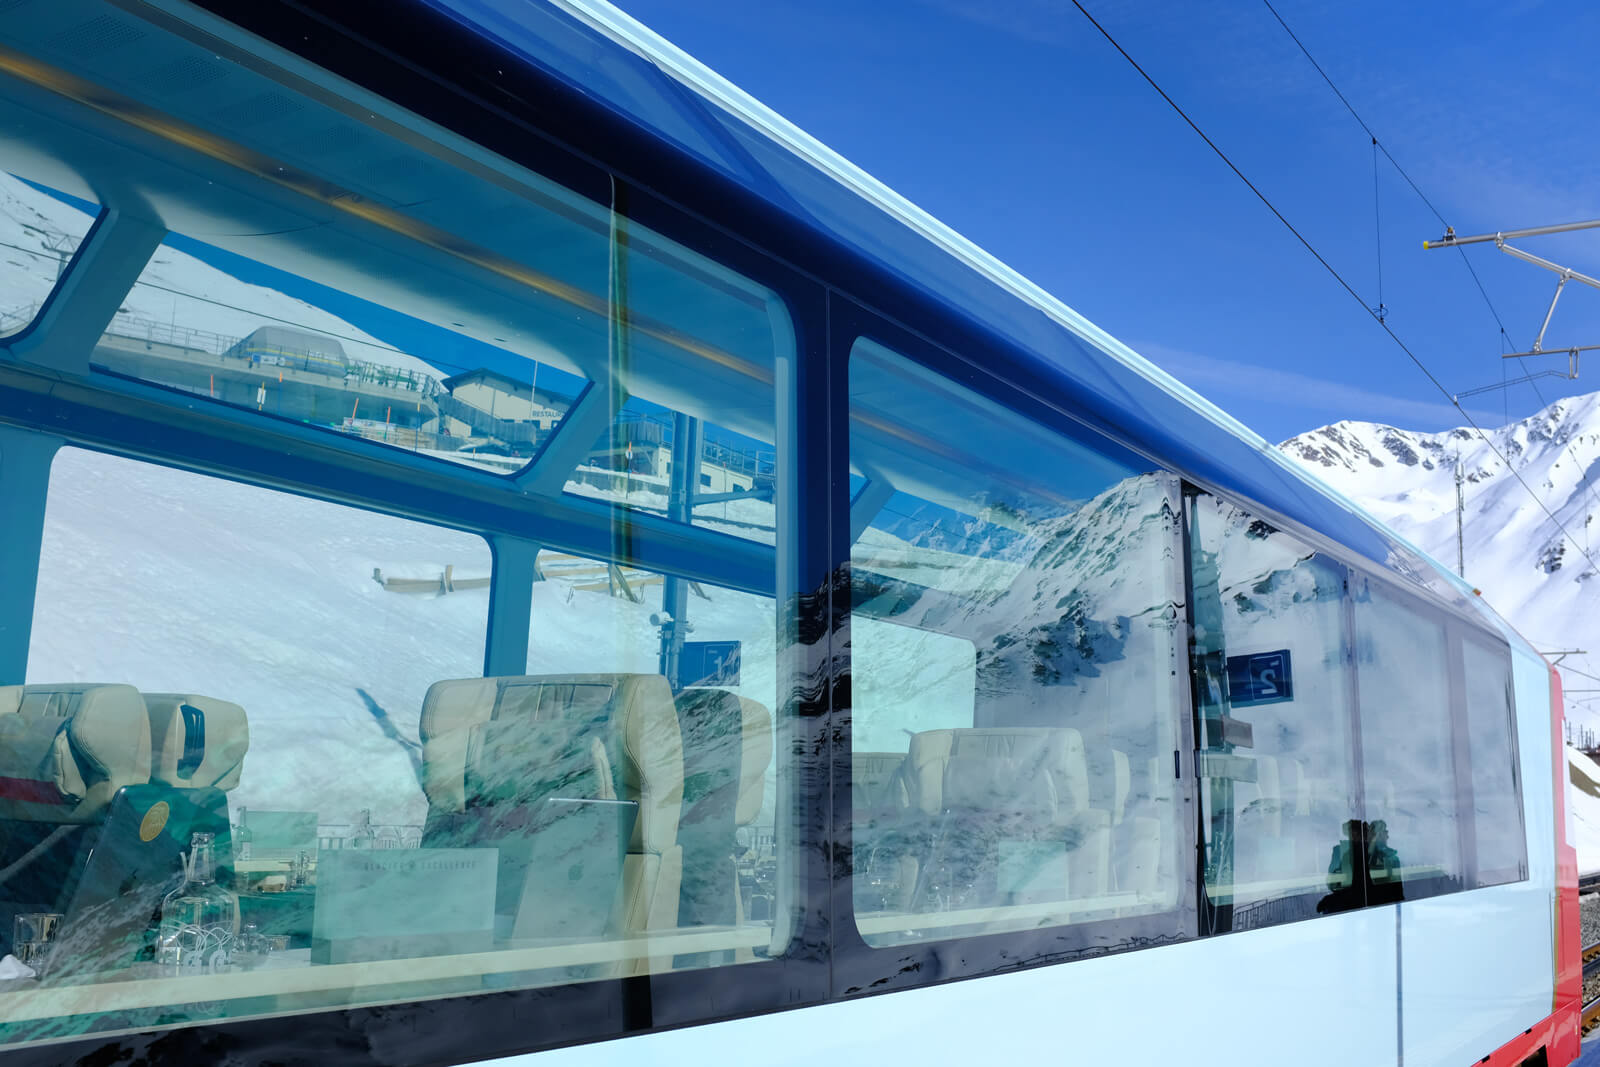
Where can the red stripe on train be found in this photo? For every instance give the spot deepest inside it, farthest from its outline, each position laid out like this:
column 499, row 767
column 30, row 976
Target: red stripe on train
column 1563, row 1044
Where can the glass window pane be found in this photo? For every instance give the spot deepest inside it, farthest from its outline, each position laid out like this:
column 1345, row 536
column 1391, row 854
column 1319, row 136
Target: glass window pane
column 1407, row 748
column 1499, row 837
column 40, row 229
column 228, row 325
column 1276, row 759
column 1015, row 663
column 215, row 658
column 714, row 671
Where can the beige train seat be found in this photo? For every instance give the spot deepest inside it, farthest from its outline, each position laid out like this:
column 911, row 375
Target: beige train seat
column 727, row 744
column 885, row 859
column 65, row 750
column 196, row 742
column 1270, row 827
column 991, row 785
column 1135, row 825
column 1109, row 781
column 1143, row 852
column 876, row 784
column 595, row 735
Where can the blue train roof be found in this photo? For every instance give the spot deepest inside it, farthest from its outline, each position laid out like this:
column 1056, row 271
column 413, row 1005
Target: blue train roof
column 614, row 59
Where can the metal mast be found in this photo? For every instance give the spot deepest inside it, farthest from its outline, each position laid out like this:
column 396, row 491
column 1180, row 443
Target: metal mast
column 1563, row 276
column 1461, row 508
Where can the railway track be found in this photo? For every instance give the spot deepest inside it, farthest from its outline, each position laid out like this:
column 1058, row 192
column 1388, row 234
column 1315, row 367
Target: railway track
column 1591, row 1008
column 1590, row 883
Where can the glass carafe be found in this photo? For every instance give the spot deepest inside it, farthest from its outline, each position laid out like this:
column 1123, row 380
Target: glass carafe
column 199, row 918
column 242, row 837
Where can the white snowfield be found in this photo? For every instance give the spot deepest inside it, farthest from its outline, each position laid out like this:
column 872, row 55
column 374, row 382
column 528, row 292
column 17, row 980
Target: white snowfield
column 1536, row 578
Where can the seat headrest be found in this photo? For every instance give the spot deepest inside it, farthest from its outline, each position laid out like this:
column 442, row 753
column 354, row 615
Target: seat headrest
column 520, row 761
column 1037, row 771
column 632, row 714
column 733, row 734
column 196, row 741
column 449, row 711
column 757, row 758
column 875, row 781
column 65, row 750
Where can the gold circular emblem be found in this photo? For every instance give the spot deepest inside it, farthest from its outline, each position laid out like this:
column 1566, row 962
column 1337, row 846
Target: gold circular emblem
column 155, row 820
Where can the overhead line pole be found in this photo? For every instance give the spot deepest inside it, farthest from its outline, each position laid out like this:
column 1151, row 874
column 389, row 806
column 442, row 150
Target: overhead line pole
column 1450, row 238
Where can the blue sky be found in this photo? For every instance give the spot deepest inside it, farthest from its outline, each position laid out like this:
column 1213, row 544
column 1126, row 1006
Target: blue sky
column 1018, row 125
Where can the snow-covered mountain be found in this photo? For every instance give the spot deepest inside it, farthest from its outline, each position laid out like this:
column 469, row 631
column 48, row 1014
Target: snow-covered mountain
column 1514, row 551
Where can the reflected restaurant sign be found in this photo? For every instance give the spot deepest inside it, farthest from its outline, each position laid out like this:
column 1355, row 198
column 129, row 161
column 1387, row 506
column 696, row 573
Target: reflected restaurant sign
column 1260, row 678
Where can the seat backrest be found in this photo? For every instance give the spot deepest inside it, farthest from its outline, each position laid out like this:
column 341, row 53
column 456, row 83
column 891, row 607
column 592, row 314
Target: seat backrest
column 65, row 750
column 1039, row 771
column 196, row 741
column 632, row 715
column 725, row 755
column 1109, row 781
column 756, row 722
column 875, row 782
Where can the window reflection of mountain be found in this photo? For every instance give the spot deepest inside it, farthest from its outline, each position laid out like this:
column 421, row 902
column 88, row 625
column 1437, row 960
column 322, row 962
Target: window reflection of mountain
column 1363, row 870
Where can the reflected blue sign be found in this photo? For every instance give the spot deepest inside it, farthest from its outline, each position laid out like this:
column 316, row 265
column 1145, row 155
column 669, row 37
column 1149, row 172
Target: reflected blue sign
column 709, row 663
column 1260, row 678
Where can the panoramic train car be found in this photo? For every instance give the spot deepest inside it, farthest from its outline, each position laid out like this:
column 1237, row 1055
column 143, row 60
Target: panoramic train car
column 936, row 680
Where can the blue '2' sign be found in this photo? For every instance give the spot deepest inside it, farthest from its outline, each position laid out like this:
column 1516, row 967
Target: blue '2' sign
column 1260, row 678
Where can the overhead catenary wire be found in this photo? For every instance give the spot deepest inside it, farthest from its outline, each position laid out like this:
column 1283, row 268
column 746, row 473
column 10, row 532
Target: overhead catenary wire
column 1483, row 292
column 1378, row 146
column 1377, row 228
column 1320, row 258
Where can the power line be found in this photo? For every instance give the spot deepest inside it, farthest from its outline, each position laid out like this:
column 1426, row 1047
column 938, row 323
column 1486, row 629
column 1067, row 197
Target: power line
column 1330, row 269
column 1465, row 261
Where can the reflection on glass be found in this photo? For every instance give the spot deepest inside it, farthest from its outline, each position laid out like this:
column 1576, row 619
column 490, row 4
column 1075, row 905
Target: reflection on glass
column 301, row 764
column 1500, row 839
column 214, row 323
column 1276, row 759
column 1015, row 647
column 603, row 404
column 706, row 659
column 1408, row 741
column 40, row 230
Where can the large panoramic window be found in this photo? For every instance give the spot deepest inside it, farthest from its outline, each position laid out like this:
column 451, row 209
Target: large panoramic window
column 1499, row 837
column 1408, row 746
column 1016, row 648
column 261, row 768
column 1276, row 753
